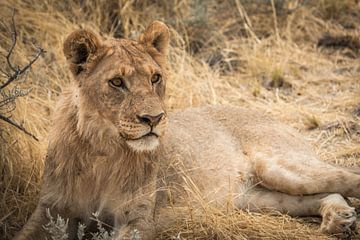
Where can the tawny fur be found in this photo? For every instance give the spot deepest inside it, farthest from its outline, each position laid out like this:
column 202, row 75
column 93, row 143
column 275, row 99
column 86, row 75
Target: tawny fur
column 102, row 159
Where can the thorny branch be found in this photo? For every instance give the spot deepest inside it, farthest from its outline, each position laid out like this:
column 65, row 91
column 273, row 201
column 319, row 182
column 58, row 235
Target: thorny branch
column 8, row 120
column 14, row 38
column 16, row 72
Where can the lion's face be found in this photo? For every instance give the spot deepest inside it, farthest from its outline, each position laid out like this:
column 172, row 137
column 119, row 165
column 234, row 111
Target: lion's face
column 121, row 85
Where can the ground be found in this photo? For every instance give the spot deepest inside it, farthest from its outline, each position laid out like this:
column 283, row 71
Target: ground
column 297, row 60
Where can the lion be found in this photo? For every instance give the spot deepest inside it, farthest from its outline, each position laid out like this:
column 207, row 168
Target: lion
column 115, row 149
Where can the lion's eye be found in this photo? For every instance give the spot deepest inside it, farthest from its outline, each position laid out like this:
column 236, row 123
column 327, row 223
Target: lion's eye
column 116, row 82
column 155, row 78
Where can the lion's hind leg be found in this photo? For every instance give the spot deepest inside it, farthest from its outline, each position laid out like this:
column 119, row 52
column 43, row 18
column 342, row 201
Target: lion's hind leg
column 304, row 175
column 337, row 216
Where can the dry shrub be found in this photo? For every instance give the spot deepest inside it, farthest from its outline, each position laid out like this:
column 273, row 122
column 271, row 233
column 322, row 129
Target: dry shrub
column 340, row 11
column 222, row 52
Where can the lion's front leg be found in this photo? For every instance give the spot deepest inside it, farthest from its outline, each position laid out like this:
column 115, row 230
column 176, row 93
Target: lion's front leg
column 33, row 228
column 137, row 220
column 142, row 228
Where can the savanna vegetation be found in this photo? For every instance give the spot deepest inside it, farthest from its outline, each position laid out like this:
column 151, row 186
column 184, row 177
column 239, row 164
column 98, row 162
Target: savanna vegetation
column 298, row 60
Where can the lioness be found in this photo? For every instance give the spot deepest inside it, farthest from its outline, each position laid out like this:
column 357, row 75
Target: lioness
column 115, row 149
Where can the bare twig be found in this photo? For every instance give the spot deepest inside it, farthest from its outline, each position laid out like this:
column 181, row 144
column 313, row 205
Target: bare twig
column 8, row 120
column 18, row 72
column 14, row 38
column 15, row 73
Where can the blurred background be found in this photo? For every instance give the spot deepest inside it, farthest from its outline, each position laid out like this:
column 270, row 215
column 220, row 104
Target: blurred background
column 297, row 60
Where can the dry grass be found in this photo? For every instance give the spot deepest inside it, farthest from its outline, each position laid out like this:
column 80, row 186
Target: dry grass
column 223, row 52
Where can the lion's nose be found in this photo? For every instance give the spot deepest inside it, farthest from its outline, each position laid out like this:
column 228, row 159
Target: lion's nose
column 150, row 120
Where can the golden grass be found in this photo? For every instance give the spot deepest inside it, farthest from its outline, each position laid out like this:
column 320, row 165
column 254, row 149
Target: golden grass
column 223, row 52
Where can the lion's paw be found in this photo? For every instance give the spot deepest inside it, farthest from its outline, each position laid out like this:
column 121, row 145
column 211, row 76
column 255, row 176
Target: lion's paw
column 339, row 219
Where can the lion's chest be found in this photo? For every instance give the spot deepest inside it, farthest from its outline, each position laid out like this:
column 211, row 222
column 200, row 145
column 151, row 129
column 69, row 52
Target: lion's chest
column 106, row 187
column 96, row 188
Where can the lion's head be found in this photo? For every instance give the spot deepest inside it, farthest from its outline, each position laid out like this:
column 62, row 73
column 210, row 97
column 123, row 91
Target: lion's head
column 120, row 85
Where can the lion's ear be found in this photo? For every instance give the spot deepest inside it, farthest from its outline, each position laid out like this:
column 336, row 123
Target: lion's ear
column 156, row 36
column 80, row 48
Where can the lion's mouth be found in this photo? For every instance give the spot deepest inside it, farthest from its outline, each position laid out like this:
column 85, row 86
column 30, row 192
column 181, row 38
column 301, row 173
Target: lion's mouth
column 146, row 142
column 148, row 135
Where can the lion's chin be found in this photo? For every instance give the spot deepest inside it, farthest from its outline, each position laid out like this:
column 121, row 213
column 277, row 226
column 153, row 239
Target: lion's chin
column 145, row 144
